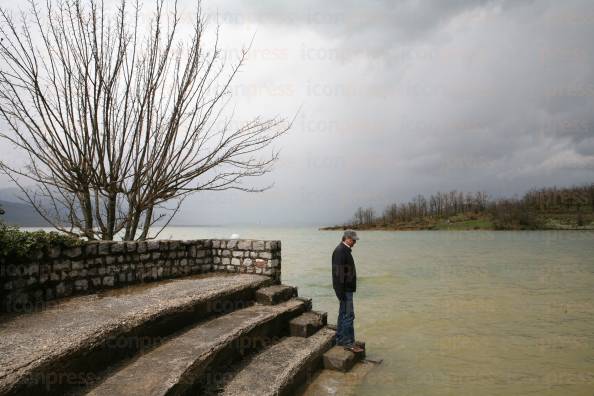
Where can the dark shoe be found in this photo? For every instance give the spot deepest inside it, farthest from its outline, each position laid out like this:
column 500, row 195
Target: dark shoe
column 360, row 344
column 354, row 348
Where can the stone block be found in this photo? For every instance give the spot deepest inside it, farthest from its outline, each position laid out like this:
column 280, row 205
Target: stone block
column 103, row 248
column 153, row 246
column 62, row 265
column 61, row 289
column 206, row 267
column 339, row 359
column 141, row 247
column 73, row 252
column 244, row 245
column 307, row 323
column 117, row 247
column 231, row 244
column 81, row 284
column 259, row 245
column 273, row 295
column 131, row 247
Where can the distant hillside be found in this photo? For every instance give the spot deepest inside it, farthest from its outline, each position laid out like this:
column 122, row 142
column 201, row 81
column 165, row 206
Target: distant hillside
column 549, row 208
column 20, row 214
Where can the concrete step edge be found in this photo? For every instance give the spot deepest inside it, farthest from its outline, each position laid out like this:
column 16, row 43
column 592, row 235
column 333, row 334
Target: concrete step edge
column 281, row 368
column 103, row 348
column 176, row 366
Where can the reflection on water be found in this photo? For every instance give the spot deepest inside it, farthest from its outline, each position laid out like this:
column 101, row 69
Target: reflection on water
column 455, row 312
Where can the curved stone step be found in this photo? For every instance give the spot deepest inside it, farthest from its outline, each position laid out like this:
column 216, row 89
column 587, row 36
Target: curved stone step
column 281, row 368
column 41, row 352
column 178, row 364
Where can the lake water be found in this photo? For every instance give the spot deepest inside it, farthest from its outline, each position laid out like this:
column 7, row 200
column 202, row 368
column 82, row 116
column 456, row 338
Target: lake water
column 455, row 312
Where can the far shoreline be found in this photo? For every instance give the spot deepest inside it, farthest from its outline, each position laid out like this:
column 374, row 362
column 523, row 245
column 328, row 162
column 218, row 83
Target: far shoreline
column 441, row 228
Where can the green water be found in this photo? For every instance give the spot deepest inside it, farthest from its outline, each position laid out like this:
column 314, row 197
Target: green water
column 455, row 312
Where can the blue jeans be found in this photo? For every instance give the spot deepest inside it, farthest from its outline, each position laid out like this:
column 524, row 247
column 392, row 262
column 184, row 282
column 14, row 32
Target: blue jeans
column 345, row 332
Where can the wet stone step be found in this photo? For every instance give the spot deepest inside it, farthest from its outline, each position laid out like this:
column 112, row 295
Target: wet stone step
column 80, row 336
column 176, row 366
column 275, row 294
column 281, row 368
column 340, row 359
column 308, row 323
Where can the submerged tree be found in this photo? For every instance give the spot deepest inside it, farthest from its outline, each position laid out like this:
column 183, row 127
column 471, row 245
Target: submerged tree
column 119, row 120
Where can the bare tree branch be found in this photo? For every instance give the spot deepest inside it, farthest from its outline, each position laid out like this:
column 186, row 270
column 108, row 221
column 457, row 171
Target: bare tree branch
column 118, row 119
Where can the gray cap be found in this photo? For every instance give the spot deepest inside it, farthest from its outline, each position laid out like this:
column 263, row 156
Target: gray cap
column 350, row 234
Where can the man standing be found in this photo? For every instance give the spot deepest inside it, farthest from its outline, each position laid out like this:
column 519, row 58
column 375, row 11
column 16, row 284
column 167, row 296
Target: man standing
column 344, row 282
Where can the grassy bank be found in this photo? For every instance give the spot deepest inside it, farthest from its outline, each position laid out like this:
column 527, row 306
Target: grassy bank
column 483, row 221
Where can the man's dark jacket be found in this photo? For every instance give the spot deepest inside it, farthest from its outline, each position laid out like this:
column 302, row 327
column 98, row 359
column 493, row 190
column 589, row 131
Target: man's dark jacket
column 344, row 274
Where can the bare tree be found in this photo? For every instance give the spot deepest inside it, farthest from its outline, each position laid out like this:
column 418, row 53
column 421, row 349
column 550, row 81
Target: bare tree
column 359, row 216
column 368, row 216
column 391, row 213
column 120, row 121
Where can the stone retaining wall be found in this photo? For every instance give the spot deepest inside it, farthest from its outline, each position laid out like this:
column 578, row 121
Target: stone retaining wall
column 61, row 272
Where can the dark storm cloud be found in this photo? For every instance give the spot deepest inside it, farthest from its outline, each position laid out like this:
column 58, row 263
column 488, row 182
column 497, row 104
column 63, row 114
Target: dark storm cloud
column 406, row 97
column 387, row 20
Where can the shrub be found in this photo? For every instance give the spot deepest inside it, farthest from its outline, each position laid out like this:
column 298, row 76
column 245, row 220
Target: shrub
column 509, row 215
column 16, row 244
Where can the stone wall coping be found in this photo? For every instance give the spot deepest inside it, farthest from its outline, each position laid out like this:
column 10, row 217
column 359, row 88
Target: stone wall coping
column 60, row 271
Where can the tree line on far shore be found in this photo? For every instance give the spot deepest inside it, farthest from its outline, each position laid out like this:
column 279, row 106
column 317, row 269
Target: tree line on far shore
column 526, row 211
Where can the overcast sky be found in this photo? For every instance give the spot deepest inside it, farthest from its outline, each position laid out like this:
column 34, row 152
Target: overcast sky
column 405, row 97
